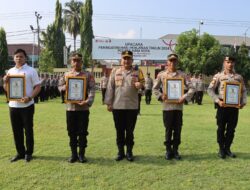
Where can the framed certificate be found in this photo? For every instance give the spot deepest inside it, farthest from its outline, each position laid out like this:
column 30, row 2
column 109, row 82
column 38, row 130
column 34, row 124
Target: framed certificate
column 174, row 89
column 75, row 89
column 16, row 87
column 232, row 94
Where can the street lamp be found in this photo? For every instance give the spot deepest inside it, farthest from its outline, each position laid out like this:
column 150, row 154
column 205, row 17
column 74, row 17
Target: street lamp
column 38, row 17
column 246, row 34
column 200, row 23
column 33, row 48
column 199, row 56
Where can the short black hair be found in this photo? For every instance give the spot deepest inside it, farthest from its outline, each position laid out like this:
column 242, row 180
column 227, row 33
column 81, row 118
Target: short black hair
column 76, row 54
column 21, row 51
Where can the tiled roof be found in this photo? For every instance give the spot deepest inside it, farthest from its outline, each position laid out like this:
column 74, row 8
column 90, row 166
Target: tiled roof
column 27, row 47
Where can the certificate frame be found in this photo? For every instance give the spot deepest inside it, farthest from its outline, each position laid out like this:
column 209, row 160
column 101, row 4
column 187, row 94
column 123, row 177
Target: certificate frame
column 16, row 88
column 178, row 85
column 75, row 89
column 232, row 94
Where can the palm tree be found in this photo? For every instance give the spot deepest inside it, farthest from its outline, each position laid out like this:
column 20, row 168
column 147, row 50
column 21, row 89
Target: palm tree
column 71, row 19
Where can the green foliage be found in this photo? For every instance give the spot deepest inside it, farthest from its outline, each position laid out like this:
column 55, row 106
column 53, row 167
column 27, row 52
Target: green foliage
column 59, row 37
column 242, row 65
column 71, row 18
column 200, row 168
column 54, row 39
column 86, row 32
column 3, row 52
column 47, row 61
column 199, row 54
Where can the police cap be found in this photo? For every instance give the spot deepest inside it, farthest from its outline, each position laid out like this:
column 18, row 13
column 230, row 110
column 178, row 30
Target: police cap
column 127, row 53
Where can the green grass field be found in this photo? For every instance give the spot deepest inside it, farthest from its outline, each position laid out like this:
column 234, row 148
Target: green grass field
column 200, row 167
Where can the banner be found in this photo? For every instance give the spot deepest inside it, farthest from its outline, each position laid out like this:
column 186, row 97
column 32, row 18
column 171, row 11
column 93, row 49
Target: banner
column 143, row 49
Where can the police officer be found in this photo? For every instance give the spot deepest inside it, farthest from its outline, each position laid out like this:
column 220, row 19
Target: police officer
column 103, row 85
column 42, row 92
column 172, row 112
column 61, row 88
column 122, row 99
column 200, row 87
column 194, row 83
column 227, row 117
column 78, row 113
column 148, row 88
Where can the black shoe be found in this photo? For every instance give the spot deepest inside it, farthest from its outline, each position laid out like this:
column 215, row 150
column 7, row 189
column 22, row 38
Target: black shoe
column 28, row 157
column 119, row 157
column 229, row 153
column 72, row 159
column 176, row 155
column 16, row 158
column 82, row 159
column 130, row 156
column 168, row 155
column 222, row 154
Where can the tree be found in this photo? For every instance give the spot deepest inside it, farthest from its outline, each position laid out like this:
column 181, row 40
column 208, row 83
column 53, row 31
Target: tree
column 47, row 61
column 3, row 52
column 54, row 39
column 199, row 54
column 242, row 65
column 71, row 18
column 59, row 42
column 86, row 32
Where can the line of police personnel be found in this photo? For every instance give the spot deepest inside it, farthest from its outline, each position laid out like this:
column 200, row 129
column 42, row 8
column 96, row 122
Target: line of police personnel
column 121, row 98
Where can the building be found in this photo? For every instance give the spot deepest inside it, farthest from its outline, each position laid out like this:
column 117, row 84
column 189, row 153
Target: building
column 225, row 41
column 31, row 50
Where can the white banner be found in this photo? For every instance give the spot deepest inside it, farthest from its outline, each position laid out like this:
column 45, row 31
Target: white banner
column 142, row 49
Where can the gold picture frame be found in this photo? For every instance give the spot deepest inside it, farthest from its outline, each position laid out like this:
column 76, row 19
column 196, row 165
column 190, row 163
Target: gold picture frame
column 75, row 89
column 173, row 89
column 16, row 88
column 232, row 94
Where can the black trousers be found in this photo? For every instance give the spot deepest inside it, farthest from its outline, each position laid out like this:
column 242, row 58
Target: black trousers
column 63, row 95
column 227, row 119
column 103, row 94
column 125, row 121
column 199, row 97
column 77, row 126
column 173, row 123
column 185, row 101
column 148, row 94
column 22, row 122
column 42, row 94
column 193, row 99
column 139, row 103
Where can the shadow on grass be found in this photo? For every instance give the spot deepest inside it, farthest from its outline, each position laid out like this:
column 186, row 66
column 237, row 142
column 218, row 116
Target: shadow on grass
column 50, row 158
column 158, row 160
column 214, row 156
column 150, row 114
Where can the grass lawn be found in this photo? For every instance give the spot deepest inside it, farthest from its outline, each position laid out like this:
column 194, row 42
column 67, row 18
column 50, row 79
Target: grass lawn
column 200, row 167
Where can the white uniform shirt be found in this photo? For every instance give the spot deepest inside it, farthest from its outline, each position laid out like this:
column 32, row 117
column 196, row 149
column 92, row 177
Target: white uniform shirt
column 32, row 80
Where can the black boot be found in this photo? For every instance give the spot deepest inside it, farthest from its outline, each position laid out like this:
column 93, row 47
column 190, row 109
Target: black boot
column 169, row 153
column 82, row 157
column 176, row 154
column 229, row 153
column 222, row 153
column 74, row 156
column 120, row 154
column 129, row 154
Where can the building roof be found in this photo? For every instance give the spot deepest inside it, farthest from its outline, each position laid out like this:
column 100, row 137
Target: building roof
column 27, row 47
column 223, row 40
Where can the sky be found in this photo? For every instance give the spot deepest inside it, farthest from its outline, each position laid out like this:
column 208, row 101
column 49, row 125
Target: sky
column 133, row 19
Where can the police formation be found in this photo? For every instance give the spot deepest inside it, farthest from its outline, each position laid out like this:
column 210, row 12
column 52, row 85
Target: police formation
column 120, row 94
